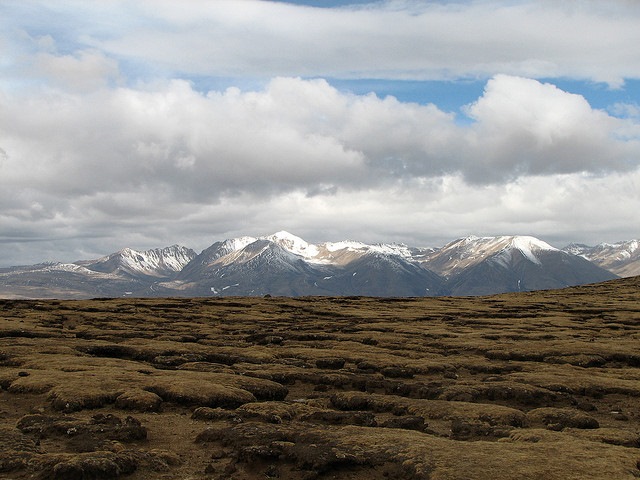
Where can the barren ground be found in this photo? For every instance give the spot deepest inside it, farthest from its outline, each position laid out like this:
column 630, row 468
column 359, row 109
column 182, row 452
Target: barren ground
column 542, row 385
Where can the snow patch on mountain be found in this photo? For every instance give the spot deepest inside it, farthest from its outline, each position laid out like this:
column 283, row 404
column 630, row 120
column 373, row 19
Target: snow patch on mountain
column 239, row 243
column 529, row 246
column 244, row 254
column 54, row 267
column 285, row 264
column 344, row 245
column 622, row 258
column 468, row 251
column 172, row 258
column 263, row 250
column 155, row 262
column 577, row 249
column 384, row 248
column 340, row 253
column 293, row 244
column 397, row 249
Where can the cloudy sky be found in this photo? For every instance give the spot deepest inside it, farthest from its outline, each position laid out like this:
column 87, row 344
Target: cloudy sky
column 152, row 122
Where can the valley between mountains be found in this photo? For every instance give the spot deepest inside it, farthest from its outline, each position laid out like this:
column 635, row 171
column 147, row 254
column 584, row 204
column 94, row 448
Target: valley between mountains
column 283, row 264
column 520, row 386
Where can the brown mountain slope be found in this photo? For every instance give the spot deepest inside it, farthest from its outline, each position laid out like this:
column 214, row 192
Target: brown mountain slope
column 518, row 386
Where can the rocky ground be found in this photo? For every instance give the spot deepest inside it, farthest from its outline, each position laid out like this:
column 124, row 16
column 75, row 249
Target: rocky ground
column 520, row 386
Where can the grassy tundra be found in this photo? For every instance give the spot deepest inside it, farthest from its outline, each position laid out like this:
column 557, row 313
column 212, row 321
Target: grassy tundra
column 517, row 386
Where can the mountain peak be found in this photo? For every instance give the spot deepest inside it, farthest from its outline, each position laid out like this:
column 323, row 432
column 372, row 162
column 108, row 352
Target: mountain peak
column 293, row 244
column 521, row 242
column 238, row 243
column 468, row 251
column 528, row 246
column 622, row 258
column 284, row 235
column 285, row 264
column 156, row 262
column 529, row 243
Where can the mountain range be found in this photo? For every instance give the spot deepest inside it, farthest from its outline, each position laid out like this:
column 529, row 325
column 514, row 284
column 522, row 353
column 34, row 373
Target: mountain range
column 622, row 258
column 283, row 264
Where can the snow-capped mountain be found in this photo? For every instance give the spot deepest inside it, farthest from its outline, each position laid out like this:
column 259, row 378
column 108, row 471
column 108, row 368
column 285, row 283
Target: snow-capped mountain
column 487, row 265
column 284, row 264
column 293, row 244
column 258, row 268
column 126, row 272
column 209, row 255
column 622, row 258
column 340, row 253
column 158, row 262
column 64, row 280
column 467, row 252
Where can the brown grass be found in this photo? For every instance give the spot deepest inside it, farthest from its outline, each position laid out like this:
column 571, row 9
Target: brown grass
column 518, row 386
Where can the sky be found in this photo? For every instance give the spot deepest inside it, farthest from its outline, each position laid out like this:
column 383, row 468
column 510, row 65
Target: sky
column 149, row 123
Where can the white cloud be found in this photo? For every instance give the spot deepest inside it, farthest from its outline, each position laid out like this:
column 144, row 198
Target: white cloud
column 626, row 110
column 392, row 40
column 527, row 127
column 409, row 39
column 299, row 134
column 166, row 163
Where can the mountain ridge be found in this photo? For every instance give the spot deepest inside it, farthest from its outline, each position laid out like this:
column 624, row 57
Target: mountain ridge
column 286, row 265
column 156, row 262
column 621, row 258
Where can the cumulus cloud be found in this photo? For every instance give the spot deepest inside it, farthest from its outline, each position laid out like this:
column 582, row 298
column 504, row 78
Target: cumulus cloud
column 131, row 159
column 298, row 135
column 527, row 127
